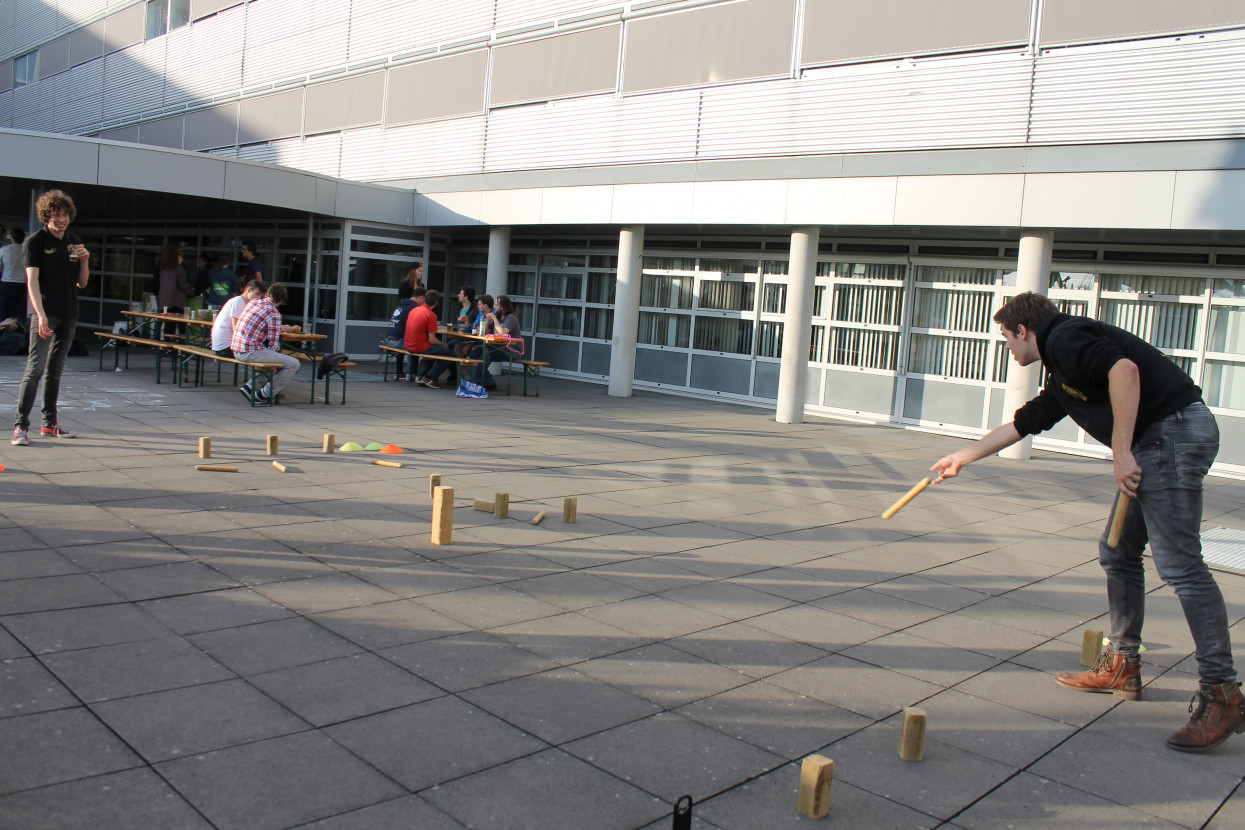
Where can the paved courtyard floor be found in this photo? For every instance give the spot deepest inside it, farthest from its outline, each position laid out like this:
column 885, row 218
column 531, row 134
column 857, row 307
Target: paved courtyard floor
column 184, row 649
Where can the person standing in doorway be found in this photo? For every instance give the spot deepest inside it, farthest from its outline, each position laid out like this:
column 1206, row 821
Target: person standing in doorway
column 13, row 283
column 57, row 267
column 254, row 267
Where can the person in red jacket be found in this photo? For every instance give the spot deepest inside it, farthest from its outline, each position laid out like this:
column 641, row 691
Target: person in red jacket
column 421, row 338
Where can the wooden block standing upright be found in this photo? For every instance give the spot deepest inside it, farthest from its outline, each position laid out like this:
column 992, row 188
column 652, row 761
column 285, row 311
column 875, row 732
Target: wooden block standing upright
column 271, row 443
column 205, row 447
column 501, row 505
column 570, row 509
column 442, row 515
column 912, row 734
column 816, row 775
column 330, row 442
column 1091, row 646
column 434, row 481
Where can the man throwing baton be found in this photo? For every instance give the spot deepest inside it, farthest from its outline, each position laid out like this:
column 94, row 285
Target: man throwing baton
column 1128, row 395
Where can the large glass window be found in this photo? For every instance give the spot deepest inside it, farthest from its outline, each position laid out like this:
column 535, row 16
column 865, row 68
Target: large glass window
column 724, row 334
column 664, row 329
column 164, row 16
column 658, row 291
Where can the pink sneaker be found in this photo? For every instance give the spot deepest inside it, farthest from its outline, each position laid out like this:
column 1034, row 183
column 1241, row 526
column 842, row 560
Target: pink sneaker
column 20, row 438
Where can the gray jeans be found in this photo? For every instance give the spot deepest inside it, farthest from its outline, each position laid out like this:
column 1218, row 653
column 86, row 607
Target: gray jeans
column 45, row 360
column 1174, row 455
column 283, row 376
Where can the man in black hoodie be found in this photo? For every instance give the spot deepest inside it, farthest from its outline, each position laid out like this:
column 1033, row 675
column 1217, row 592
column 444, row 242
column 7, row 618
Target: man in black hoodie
column 1131, row 397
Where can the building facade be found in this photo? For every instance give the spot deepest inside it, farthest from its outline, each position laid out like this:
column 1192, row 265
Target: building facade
column 812, row 205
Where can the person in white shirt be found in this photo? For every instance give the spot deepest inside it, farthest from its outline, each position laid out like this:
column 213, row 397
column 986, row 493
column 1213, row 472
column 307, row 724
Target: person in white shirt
column 227, row 317
column 13, row 283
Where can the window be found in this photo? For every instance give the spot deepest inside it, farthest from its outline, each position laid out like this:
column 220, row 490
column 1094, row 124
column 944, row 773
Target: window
column 166, row 15
column 26, row 68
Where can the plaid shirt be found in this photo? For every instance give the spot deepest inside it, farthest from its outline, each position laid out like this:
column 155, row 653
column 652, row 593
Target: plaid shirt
column 258, row 327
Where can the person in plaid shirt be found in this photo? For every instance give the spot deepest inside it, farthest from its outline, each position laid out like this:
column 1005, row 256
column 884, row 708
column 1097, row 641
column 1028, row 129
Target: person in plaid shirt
column 257, row 338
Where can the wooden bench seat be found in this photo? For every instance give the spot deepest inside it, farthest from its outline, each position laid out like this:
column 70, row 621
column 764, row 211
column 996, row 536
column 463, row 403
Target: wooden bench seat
column 531, row 368
column 394, row 353
column 338, row 371
column 125, row 341
column 257, row 374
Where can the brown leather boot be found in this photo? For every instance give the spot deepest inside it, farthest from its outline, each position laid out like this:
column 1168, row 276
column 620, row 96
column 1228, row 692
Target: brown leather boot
column 1217, row 711
column 1113, row 673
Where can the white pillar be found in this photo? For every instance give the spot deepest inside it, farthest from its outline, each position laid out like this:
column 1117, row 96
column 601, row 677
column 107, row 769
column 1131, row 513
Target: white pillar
column 1032, row 274
column 497, row 276
column 626, row 310
column 797, row 329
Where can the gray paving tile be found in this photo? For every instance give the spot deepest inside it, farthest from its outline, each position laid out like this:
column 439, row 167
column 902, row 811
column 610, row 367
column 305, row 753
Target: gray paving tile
column 774, row 719
column 797, row 585
column 18, row 539
column 489, row 606
column 388, row 623
column 27, row 564
column 407, row 813
column 154, row 581
column 664, row 675
column 878, row 608
column 10, row 648
column 433, row 742
column 54, row 747
column 348, row 687
column 267, row 646
column 944, row 783
column 560, row 705
column 574, row 590
column 655, row 617
column 568, row 638
column 329, row 592
column 1170, row 785
column 747, row 649
column 970, row 633
column 48, row 593
column 727, row 600
column 1032, row 801
column 419, row 578
column 181, row 722
column 993, row 730
column 214, row 610
column 266, row 567
column 858, row 687
column 649, row 576
column 466, row 661
column 109, row 672
column 75, row 628
column 1231, row 814
column 769, row 803
column 548, row 789
column 1034, row 691
column 277, row 783
column 668, row 755
column 920, row 658
column 133, row 798
column 27, row 687
column 818, row 627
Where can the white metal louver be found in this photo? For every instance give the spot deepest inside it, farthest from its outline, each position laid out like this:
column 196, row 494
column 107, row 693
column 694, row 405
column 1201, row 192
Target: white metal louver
column 287, row 38
column 385, row 27
column 134, row 79
column 205, row 59
column 6, row 109
column 455, row 145
column 599, row 130
column 32, row 107
column 1175, row 88
column 517, row 13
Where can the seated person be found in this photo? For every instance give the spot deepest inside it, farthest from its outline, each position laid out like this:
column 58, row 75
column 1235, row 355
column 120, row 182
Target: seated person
column 501, row 321
column 227, row 317
column 481, row 307
column 395, row 335
column 467, row 315
column 421, row 338
column 257, row 338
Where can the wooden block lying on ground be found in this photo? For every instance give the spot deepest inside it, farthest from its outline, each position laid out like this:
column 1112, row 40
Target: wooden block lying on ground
column 816, row 775
column 212, row 468
column 1091, row 646
column 912, row 734
column 380, row 462
column 279, row 466
column 442, row 515
column 483, row 504
column 540, row 517
column 205, row 447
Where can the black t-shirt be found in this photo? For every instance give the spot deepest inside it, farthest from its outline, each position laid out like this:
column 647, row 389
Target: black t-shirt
column 58, row 277
column 1078, row 354
column 254, row 269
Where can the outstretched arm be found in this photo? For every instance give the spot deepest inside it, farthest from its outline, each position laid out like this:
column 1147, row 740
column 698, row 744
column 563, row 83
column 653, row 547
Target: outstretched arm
column 995, row 440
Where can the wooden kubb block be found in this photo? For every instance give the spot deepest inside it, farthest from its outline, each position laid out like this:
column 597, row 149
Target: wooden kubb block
column 501, row 505
column 1091, row 646
column 816, row 776
column 570, row 510
column 434, row 481
column 205, row 447
column 271, row 444
column 912, row 734
column 442, row 515
column 484, row 504
column 330, row 442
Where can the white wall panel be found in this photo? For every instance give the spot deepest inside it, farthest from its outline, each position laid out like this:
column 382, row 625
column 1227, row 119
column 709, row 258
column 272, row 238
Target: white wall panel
column 885, row 106
column 438, row 148
column 205, row 59
column 759, row 202
column 134, row 79
column 77, row 12
column 864, row 201
column 285, row 38
column 6, row 109
column 577, row 205
column 1209, row 199
column 1165, row 89
column 32, row 106
column 385, row 27
column 960, row 200
column 594, row 131
column 319, row 154
column 512, row 13
column 31, row 29
column 1099, row 200
column 80, row 97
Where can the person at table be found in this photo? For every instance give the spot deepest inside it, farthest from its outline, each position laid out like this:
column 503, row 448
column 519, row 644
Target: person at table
column 421, row 338
column 257, row 339
column 414, row 275
column 395, row 335
column 227, row 318
column 468, row 315
column 253, row 268
column 500, row 321
column 480, row 307
column 224, row 283
column 173, row 285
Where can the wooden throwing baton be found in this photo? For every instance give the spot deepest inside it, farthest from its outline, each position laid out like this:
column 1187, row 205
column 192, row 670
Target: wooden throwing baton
column 1117, row 519
column 907, row 497
column 382, row 463
column 213, row 468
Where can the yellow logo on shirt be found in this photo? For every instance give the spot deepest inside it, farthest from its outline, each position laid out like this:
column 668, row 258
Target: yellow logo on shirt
column 49, row 250
column 1076, row 393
